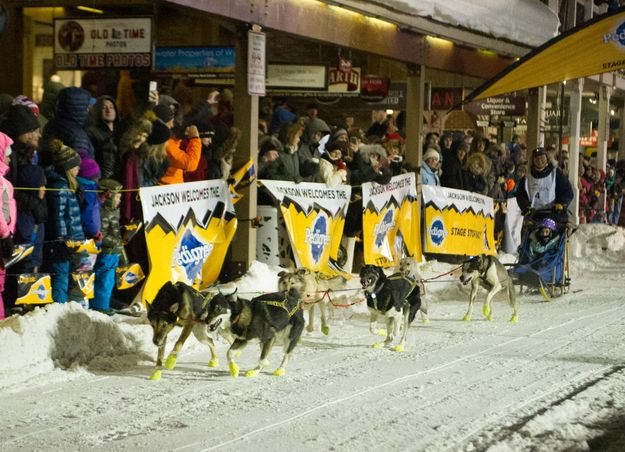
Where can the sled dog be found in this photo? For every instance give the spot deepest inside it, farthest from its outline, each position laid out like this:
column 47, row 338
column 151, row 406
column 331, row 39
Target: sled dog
column 410, row 269
column 312, row 286
column 486, row 271
column 395, row 297
column 266, row 318
column 180, row 304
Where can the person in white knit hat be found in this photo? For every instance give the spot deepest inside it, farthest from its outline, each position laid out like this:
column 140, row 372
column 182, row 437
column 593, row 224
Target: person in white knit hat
column 430, row 166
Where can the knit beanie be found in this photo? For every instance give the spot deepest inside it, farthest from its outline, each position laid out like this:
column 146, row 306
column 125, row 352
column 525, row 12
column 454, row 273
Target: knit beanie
column 431, row 153
column 160, row 132
column 5, row 143
column 206, row 130
column 164, row 112
column 20, row 119
column 63, row 157
column 23, row 100
column 89, row 168
column 109, row 184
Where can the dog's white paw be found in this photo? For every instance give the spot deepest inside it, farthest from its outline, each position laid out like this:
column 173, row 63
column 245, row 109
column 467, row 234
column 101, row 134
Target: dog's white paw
column 156, row 375
column 486, row 312
column 213, row 363
column 398, row 348
column 514, row 318
column 251, row 373
column 234, row 370
column 279, row 372
column 425, row 321
column 325, row 330
column 170, row 362
column 382, row 332
column 378, row 345
column 467, row 318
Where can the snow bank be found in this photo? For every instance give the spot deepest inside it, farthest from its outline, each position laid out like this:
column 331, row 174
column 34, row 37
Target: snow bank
column 596, row 245
column 62, row 342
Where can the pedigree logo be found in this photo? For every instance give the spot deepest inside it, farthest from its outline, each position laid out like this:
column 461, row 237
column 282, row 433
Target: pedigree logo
column 617, row 36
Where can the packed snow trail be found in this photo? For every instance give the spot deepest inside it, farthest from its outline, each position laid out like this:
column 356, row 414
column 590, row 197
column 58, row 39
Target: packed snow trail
column 76, row 380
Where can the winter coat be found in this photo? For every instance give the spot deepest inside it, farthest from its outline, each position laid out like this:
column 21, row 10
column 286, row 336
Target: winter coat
column 8, row 210
column 63, row 210
column 564, row 191
column 111, row 231
column 33, row 213
column 360, row 170
column 131, row 207
column 453, row 174
column 89, row 207
column 104, row 142
column 182, row 156
column 478, row 169
column 68, row 125
column 308, row 154
column 428, row 176
column 330, row 174
column 200, row 173
column 290, row 166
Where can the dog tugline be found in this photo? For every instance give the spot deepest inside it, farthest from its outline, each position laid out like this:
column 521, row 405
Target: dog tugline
column 266, row 318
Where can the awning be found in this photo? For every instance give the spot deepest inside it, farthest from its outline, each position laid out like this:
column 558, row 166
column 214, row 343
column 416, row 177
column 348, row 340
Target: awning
column 594, row 47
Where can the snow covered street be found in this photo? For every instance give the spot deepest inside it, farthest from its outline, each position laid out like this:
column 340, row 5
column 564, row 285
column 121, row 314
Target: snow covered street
column 75, row 380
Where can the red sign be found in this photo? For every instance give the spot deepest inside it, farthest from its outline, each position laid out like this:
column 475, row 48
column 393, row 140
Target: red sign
column 445, row 98
column 373, row 88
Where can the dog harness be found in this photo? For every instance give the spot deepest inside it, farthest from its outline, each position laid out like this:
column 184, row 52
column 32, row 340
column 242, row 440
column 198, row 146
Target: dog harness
column 282, row 304
column 413, row 283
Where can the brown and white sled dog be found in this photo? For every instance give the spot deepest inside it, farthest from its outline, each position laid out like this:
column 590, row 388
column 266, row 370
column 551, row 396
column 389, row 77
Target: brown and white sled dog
column 486, row 271
column 410, row 269
column 395, row 297
column 180, row 305
column 312, row 287
column 266, row 318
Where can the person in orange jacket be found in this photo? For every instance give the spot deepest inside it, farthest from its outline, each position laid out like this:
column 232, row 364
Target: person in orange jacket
column 183, row 155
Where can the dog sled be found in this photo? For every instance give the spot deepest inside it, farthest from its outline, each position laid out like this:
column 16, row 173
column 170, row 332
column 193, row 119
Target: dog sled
column 545, row 272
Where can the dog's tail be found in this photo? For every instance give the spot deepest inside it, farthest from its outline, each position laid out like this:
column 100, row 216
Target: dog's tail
column 511, row 293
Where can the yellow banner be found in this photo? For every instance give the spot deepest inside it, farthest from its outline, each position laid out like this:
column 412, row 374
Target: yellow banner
column 458, row 222
column 391, row 221
column 594, row 47
column 315, row 216
column 188, row 230
column 34, row 288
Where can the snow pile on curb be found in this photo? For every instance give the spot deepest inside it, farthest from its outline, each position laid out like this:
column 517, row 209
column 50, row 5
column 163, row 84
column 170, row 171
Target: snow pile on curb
column 66, row 337
column 593, row 245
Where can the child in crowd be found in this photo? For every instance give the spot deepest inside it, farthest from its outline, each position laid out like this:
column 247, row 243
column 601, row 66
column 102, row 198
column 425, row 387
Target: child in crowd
column 87, row 179
column 7, row 210
column 112, row 248
column 63, row 216
column 30, row 226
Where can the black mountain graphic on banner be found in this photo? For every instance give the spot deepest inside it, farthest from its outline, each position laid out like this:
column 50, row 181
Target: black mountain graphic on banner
column 287, row 202
column 392, row 202
column 453, row 207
